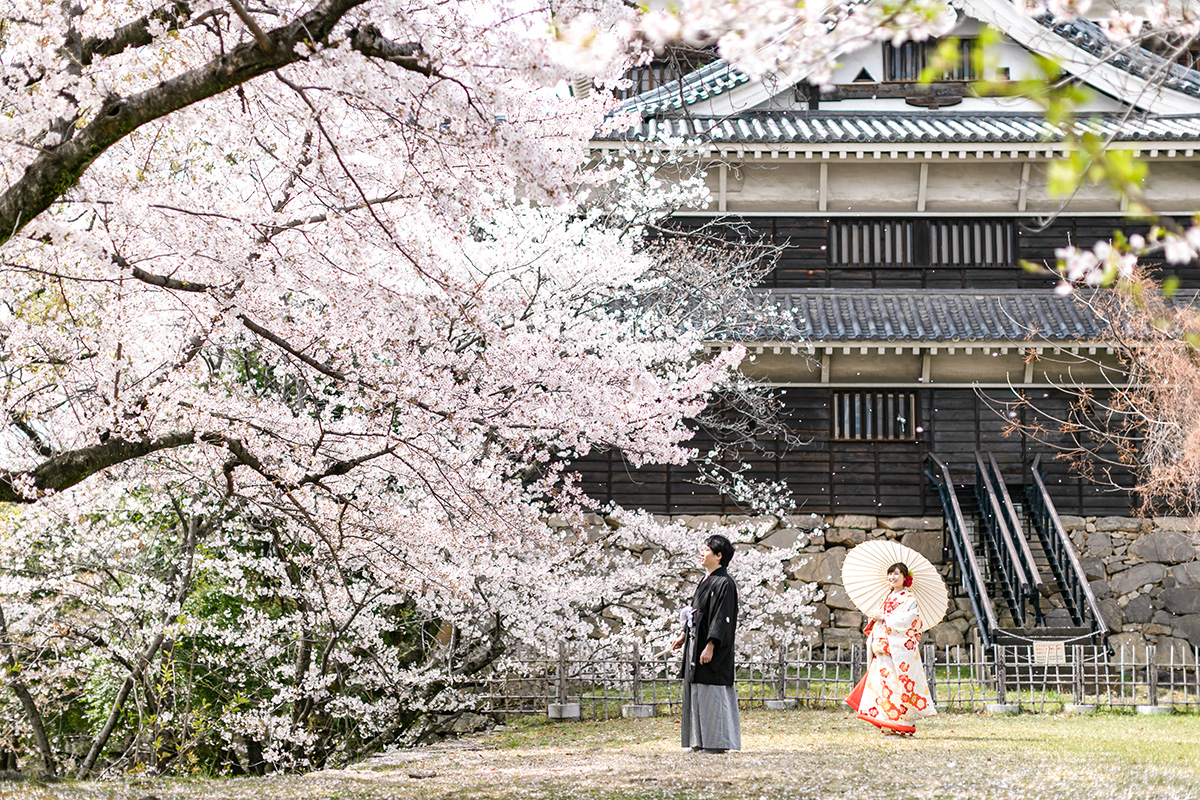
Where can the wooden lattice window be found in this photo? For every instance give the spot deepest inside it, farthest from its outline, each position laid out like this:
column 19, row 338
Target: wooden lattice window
column 871, row 243
column 905, row 62
column 877, row 416
column 973, row 243
column 922, row 243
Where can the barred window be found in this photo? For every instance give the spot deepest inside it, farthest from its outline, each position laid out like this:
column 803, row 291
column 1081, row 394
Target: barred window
column 873, row 243
column 922, row 243
column 980, row 243
column 906, row 62
column 887, row 416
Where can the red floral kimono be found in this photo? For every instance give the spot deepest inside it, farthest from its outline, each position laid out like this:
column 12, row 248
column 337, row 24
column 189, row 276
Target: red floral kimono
column 894, row 693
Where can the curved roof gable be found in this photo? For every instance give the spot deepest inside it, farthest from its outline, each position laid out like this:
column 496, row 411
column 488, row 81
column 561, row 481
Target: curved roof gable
column 1137, row 77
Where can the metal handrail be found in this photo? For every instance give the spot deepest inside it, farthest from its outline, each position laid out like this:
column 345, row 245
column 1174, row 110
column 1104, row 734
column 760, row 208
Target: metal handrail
column 1008, row 559
column 1032, row 573
column 1061, row 553
column 956, row 529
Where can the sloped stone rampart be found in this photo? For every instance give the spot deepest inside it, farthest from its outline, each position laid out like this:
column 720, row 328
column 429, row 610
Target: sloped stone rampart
column 1145, row 573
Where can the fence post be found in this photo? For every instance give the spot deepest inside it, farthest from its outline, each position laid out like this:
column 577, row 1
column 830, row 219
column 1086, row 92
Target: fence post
column 637, row 675
column 636, row 708
column 930, row 677
column 562, row 672
column 1001, row 706
column 1077, row 673
column 781, row 675
column 1152, row 672
column 562, row 709
column 1001, row 678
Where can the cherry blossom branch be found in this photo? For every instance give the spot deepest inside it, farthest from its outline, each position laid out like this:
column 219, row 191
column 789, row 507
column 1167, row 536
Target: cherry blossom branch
column 57, row 169
column 136, row 34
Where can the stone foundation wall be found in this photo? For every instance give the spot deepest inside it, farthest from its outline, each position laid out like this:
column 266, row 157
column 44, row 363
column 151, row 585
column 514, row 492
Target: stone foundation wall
column 1145, row 573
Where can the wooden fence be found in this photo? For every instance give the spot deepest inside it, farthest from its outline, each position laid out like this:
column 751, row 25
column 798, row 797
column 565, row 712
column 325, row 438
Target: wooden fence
column 968, row 678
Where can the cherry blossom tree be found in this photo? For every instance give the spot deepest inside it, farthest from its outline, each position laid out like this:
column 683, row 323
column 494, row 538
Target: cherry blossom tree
column 306, row 309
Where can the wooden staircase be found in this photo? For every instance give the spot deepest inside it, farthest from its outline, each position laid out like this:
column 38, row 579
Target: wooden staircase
column 1017, row 565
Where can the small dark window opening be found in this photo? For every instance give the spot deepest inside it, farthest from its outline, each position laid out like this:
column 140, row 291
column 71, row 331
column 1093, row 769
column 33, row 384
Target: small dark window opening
column 874, row 416
column 905, row 62
column 922, row 243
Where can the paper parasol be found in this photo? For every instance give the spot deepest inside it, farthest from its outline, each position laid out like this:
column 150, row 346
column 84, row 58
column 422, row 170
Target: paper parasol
column 864, row 574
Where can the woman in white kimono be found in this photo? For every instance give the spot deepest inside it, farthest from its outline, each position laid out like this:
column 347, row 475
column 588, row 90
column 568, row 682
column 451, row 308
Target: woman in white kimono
column 895, row 694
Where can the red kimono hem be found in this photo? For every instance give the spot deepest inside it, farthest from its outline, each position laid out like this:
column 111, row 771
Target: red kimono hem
column 885, row 723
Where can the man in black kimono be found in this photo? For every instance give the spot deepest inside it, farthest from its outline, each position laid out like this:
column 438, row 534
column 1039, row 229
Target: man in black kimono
column 710, row 706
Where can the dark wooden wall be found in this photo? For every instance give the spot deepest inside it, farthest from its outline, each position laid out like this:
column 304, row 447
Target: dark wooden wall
column 804, row 261
column 873, row 477
column 886, row 477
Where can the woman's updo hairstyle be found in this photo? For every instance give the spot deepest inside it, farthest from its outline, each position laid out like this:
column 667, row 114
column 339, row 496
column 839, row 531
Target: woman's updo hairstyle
column 902, row 568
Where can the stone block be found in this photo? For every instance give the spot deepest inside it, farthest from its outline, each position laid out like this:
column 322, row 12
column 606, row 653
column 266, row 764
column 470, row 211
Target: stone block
column 1139, row 609
column 943, row 635
column 1111, row 613
column 637, row 711
column 1099, row 545
column 784, row 537
column 1177, row 523
column 911, row 523
column 845, row 536
column 1093, row 568
column 1132, row 644
column 1156, row 711
column 1154, row 629
column 861, row 521
column 1188, row 628
column 1071, row 522
column 1174, row 652
column 759, row 526
column 807, row 522
column 1186, row 574
column 846, row 637
column 564, row 711
column 836, row 597
column 1164, row 618
column 1119, row 523
column 702, row 522
column 927, row 543
column 1137, row 577
column 849, row 619
column 822, row 568
column 781, row 705
column 816, row 538
column 1181, row 601
column 1167, row 547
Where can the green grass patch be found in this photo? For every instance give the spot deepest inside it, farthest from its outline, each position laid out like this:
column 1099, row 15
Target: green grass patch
column 788, row 754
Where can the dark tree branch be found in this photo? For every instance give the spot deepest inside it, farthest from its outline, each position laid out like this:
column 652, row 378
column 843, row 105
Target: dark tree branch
column 40, row 445
column 57, row 169
column 286, row 346
column 368, row 40
column 67, row 469
column 169, row 283
column 135, row 34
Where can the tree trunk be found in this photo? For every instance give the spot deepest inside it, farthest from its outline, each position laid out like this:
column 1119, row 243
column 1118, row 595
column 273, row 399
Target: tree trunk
column 185, row 583
column 32, row 716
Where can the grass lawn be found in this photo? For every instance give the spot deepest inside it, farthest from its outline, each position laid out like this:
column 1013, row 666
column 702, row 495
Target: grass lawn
column 788, row 754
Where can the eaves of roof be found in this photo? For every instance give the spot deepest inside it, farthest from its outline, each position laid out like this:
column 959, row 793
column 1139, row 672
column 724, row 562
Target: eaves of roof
column 896, row 128
column 890, row 316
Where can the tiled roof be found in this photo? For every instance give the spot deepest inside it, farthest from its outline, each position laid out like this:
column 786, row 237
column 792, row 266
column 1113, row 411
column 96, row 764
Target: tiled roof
column 708, row 81
column 923, row 127
column 917, row 315
column 1089, row 37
